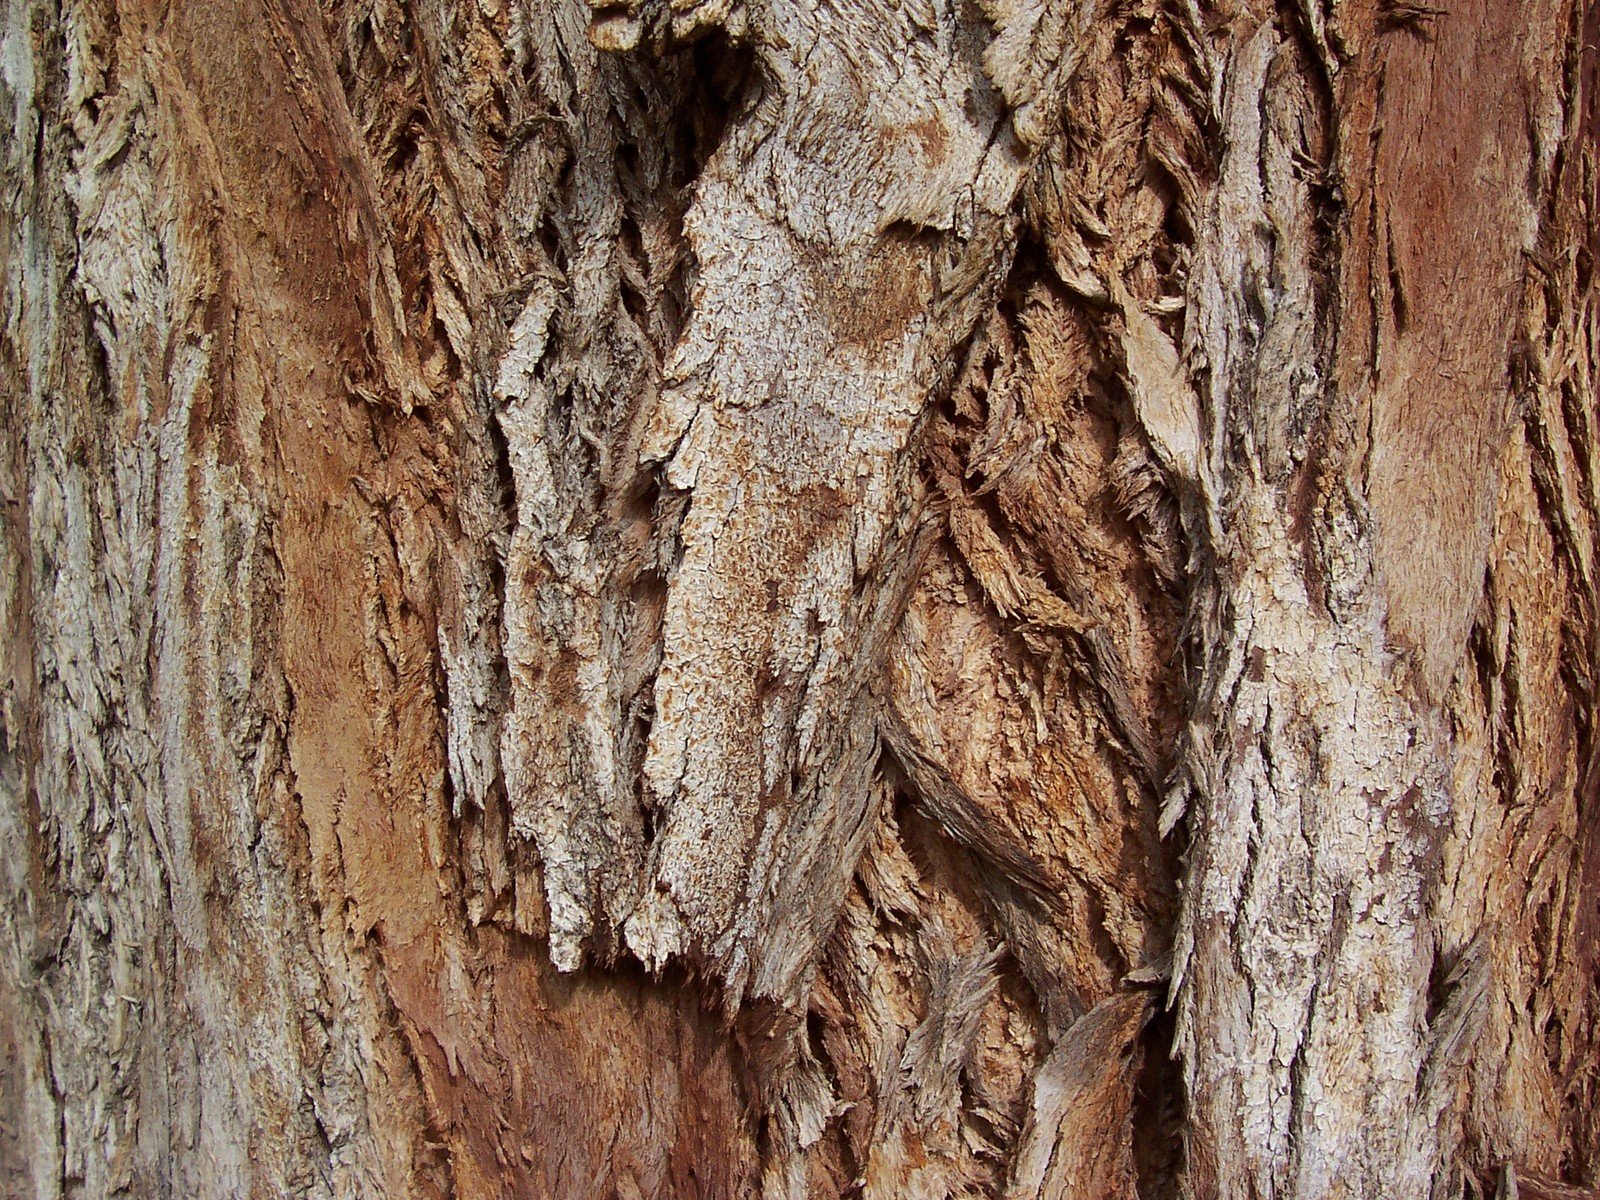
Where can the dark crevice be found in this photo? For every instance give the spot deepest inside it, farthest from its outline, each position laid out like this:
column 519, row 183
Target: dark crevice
column 1158, row 1111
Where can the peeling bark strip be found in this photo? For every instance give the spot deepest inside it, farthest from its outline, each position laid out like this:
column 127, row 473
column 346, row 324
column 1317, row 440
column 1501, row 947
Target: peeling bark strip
column 757, row 598
column 869, row 229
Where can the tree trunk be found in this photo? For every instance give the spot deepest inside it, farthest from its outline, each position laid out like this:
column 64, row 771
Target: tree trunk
column 753, row 598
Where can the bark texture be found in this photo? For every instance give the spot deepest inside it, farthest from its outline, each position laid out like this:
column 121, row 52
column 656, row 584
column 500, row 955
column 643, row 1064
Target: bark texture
column 722, row 598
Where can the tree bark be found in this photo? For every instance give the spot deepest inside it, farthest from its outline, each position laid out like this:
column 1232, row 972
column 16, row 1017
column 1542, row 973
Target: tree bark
column 747, row 598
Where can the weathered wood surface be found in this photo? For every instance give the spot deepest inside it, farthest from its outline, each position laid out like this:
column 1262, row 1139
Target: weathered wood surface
column 748, row 597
